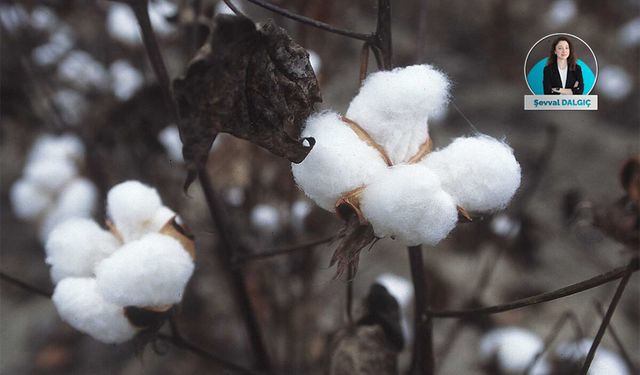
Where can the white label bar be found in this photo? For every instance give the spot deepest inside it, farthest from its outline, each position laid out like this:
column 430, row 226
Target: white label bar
column 561, row 102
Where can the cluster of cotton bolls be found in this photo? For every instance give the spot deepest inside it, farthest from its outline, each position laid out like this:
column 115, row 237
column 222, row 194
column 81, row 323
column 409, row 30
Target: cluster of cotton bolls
column 269, row 219
column 51, row 189
column 143, row 261
column 377, row 158
column 512, row 350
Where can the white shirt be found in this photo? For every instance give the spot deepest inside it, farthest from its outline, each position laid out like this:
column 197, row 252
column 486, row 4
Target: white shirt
column 563, row 75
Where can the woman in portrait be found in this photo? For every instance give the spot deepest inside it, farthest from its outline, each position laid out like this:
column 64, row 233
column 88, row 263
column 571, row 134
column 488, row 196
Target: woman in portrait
column 562, row 75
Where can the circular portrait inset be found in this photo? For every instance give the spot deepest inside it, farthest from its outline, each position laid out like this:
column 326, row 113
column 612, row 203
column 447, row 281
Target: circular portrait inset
column 561, row 64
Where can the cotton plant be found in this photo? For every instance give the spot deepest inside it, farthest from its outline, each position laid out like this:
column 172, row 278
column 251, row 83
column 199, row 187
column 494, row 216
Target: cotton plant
column 142, row 261
column 377, row 161
column 511, row 350
column 51, row 188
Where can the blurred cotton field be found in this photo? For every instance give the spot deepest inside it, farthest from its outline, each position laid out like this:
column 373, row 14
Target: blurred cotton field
column 141, row 276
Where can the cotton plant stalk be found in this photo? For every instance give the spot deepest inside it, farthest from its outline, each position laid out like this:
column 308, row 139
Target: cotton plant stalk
column 378, row 161
column 143, row 261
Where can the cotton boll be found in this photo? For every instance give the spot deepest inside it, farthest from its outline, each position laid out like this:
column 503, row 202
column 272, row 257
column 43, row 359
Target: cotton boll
column 614, row 82
column 28, row 201
column 300, row 209
column 122, row 24
column 131, row 206
column 51, row 52
column 160, row 218
column 77, row 199
column 48, row 146
column 76, row 246
column 82, row 70
column 629, row 33
column 43, row 18
column 265, row 218
column 158, row 12
column 339, row 162
column 408, row 203
column 152, row 271
column 50, row 174
column 234, row 196
column 561, row 12
column 71, row 105
column 394, row 106
column 504, row 226
column 80, row 305
column 13, row 17
column 512, row 348
column 402, row 290
column 480, row 172
column 170, row 139
column 126, row 79
column 605, row 362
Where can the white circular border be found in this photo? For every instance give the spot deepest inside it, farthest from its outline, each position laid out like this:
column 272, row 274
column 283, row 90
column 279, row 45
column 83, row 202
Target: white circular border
column 595, row 79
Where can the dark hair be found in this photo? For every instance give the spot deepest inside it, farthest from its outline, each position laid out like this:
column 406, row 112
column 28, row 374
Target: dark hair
column 571, row 60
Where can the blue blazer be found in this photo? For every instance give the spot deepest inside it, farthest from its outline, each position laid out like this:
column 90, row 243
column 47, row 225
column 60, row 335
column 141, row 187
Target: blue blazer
column 552, row 80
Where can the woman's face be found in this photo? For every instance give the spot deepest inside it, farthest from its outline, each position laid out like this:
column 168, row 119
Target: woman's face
column 562, row 50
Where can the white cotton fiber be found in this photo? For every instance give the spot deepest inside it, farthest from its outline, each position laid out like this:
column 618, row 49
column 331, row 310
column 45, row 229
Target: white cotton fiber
column 480, row 172
column 80, row 305
column 50, row 174
column 151, row 271
column 51, row 52
column 629, row 33
column 339, row 161
column 614, row 82
column 49, row 146
column 131, row 206
column 82, row 70
column 394, row 106
column 76, row 246
column 265, row 218
column 122, row 24
column 561, row 12
column 605, row 362
column 170, row 139
column 125, row 79
column 28, row 200
column 408, row 203
column 513, row 348
column 77, row 199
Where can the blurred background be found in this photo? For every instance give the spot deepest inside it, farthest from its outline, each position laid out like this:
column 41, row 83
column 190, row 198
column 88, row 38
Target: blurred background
column 78, row 67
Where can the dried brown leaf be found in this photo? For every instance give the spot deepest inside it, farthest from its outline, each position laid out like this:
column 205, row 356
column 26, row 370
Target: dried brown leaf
column 255, row 83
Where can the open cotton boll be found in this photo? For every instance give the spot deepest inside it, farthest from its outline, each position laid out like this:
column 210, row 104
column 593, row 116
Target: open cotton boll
column 629, row 33
column 51, row 52
column 76, row 246
column 77, row 199
column 50, row 174
column 48, row 146
column 394, row 106
column 561, row 12
column 408, row 203
column 170, row 139
column 28, row 200
column 79, row 304
column 265, row 218
column 125, row 79
column 605, row 362
column 43, row 18
column 513, row 349
column 339, row 162
column 480, row 172
column 122, row 24
column 151, row 271
column 132, row 205
column 614, row 82
column 83, row 71
column 72, row 105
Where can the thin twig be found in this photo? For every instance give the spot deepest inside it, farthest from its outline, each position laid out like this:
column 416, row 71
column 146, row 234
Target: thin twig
column 383, row 33
column 618, row 342
column 26, row 286
column 593, row 282
column 311, row 21
column 606, row 320
column 269, row 253
column 422, row 361
column 229, row 247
